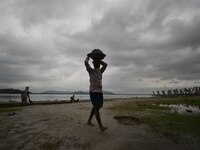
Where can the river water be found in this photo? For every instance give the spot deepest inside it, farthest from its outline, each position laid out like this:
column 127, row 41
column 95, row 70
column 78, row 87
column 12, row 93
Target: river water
column 53, row 97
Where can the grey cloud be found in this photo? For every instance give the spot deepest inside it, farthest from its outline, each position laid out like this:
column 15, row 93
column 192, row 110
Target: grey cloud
column 185, row 34
column 21, row 61
column 20, row 50
column 154, row 58
column 187, row 68
column 179, row 32
column 112, row 29
column 150, row 39
column 173, row 82
column 33, row 12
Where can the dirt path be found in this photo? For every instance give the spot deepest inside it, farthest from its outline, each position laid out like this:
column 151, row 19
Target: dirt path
column 64, row 126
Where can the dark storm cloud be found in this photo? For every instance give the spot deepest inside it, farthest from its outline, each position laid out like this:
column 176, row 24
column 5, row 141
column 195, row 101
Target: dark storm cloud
column 145, row 41
column 182, row 67
column 185, row 34
column 123, row 29
column 161, row 50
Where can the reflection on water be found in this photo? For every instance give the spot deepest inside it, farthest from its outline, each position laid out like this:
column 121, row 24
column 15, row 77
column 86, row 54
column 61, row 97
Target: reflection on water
column 10, row 97
column 181, row 108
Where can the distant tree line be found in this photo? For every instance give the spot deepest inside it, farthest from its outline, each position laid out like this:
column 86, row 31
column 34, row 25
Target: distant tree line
column 191, row 91
column 10, row 91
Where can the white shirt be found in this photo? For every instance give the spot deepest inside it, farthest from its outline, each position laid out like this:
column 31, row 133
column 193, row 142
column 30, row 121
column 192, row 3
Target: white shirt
column 95, row 76
column 95, row 80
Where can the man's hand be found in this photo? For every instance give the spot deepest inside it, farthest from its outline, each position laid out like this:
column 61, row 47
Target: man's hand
column 104, row 66
column 102, row 63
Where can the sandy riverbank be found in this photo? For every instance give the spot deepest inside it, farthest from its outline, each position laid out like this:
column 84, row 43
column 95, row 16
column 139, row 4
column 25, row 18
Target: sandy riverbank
column 64, row 126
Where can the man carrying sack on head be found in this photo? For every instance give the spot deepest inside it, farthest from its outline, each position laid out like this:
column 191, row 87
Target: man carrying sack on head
column 96, row 93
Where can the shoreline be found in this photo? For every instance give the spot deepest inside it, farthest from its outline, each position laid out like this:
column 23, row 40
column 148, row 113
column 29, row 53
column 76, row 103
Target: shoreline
column 11, row 98
column 18, row 104
column 52, row 102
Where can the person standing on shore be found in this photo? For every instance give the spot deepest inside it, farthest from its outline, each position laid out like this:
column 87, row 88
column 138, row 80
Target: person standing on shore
column 96, row 94
column 25, row 95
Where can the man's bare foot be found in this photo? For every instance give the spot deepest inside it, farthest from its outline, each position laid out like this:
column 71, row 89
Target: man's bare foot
column 90, row 124
column 103, row 129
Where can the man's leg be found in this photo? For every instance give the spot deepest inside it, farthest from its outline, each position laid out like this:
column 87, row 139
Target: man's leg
column 98, row 117
column 90, row 118
column 30, row 101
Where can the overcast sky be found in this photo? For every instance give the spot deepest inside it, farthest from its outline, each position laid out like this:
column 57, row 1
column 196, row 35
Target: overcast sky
column 150, row 44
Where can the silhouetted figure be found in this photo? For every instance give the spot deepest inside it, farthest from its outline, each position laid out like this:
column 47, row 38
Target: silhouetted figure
column 73, row 99
column 96, row 94
column 25, row 95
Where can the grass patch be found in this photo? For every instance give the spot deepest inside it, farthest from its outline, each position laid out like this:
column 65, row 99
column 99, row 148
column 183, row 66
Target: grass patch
column 193, row 101
column 177, row 127
column 4, row 110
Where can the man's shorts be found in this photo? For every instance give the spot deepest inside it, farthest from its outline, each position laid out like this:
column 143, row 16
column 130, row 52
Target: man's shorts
column 96, row 99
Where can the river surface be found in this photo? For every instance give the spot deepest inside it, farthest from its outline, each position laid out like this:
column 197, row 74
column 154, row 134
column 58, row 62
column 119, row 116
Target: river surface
column 53, row 97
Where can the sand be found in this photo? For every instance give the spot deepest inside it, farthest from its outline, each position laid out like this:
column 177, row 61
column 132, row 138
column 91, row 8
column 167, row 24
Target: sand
column 63, row 127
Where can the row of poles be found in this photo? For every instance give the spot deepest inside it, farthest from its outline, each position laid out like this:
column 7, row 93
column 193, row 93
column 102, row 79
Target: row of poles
column 191, row 91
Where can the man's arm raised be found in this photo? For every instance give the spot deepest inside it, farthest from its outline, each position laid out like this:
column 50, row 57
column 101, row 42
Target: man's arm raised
column 87, row 65
column 104, row 66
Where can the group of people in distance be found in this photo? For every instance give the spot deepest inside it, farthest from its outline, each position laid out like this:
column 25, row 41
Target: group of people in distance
column 95, row 89
column 25, row 96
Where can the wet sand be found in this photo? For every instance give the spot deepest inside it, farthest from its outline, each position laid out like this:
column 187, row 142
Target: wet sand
column 63, row 126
